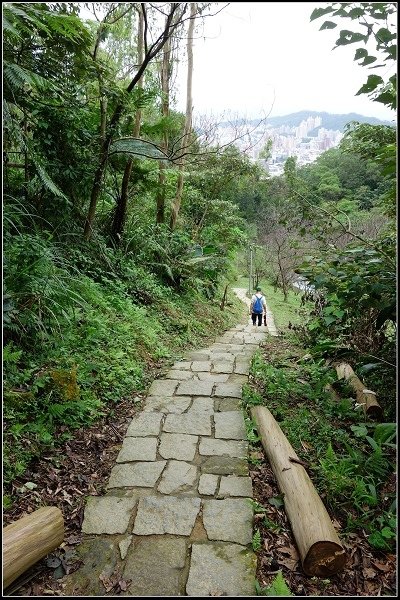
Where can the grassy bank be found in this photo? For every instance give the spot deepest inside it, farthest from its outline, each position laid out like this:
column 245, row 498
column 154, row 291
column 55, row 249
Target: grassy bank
column 351, row 462
column 108, row 350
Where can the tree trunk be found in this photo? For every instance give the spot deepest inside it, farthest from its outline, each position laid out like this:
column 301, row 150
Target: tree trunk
column 122, row 204
column 29, row 539
column 283, row 278
column 165, row 75
column 320, row 550
column 174, row 17
column 224, row 298
column 188, row 120
column 365, row 398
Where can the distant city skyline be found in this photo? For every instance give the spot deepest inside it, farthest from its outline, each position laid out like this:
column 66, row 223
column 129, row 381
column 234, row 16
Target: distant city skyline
column 267, row 58
column 306, row 141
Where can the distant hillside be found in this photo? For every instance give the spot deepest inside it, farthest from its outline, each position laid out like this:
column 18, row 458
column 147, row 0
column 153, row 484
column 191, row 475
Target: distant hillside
column 329, row 121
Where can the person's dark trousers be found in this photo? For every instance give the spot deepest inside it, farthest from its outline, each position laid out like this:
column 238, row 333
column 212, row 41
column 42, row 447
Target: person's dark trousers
column 255, row 316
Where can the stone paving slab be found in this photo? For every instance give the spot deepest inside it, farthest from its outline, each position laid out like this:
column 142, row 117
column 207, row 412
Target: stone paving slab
column 221, row 569
column 142, row 449
column 182, row 365
column 144, row 424
column 214, row 377
column 195, row 388
column 236, row 378
column 227, row 404
column 178, row 446
column 201, row 365
column 178, row 477
column 212, row 447
column 222, row 356
column 142, row 474
column 107, row 514
column 174, row 404
column 166, row 515
column 162, row 387
column 225, row 465
column 194, row 424
column 180, row 375
column 235, row 486
column 230, row 425
column 242, row 368
column 228, row 390
column 202, row 405
column 202, row 355
column 222, row 367
column 208, row 484
column 154, row 560
column 229, row 520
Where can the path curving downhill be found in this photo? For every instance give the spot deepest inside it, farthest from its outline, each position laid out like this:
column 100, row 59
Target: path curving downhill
column 177, row 519
column 242, row 294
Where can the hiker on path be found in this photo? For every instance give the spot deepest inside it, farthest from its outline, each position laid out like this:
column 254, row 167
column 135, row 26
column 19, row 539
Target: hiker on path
column 258, row 307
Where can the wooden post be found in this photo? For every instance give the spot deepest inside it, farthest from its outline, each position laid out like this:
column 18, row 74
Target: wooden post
column 29, row 539
column 366, row 398
column 224, row 298
column 321, row 552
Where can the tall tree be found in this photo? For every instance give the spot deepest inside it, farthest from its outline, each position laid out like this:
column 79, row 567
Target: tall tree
column 122, row 200
column 188, row 118
column 165, row 76
column 173, row 20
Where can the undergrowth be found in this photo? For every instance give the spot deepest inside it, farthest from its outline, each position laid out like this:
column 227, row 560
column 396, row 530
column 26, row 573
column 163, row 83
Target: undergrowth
column 83, row 332
column 350, row 460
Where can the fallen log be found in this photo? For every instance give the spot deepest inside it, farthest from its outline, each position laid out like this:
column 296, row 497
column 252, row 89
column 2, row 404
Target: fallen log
column 331, row 390
column 29, row 539
column 365, row 398
column 320, row 550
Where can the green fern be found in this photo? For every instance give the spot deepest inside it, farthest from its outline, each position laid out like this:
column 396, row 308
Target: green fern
column 46, row 179
column 256, row 541
column 278, row 587
column 24, row 17
column 19, row 78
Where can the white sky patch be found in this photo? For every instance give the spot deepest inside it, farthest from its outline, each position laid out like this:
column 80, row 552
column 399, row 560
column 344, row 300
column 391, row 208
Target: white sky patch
column 259, row 58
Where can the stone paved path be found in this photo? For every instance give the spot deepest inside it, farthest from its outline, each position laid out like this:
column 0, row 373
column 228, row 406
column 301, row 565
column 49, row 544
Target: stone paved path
column 177, row 517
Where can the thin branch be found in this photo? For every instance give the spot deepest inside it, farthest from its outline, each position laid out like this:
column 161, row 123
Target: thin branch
column 354, row 235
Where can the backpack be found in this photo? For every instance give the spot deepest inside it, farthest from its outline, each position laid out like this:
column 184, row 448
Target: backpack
column 258, row 306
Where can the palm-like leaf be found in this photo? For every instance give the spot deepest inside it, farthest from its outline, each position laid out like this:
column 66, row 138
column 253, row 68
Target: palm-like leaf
column 141, row 148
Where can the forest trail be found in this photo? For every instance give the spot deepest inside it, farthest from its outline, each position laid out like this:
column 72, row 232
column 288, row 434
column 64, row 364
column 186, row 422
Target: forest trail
column 177, row 517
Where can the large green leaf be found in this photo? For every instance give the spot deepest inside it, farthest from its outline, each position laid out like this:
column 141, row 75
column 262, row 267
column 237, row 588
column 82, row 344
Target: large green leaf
column 328, row 25
column 138, row 147
column 319, row 12
column 372, row 83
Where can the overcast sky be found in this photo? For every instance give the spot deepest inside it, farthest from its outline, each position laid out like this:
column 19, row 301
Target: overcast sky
column 259, row 58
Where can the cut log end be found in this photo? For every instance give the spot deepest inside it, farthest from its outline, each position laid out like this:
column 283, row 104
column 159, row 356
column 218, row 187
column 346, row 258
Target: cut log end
column 374, row 412
column 324, row 559
column 29, row 539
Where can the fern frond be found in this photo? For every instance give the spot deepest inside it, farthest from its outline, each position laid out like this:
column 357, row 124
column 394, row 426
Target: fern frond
column 18, row 77
column 22, row 17
column 46, row 180
column 279, row 587
column 9, row 28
